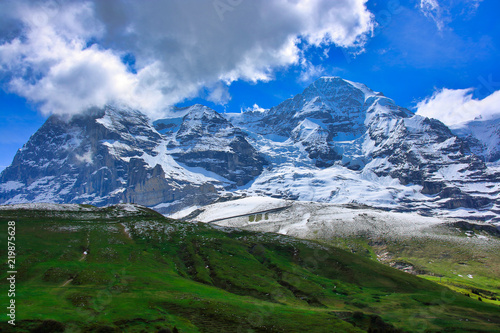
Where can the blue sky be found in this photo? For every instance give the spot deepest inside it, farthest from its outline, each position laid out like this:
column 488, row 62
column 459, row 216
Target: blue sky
column 64, row 56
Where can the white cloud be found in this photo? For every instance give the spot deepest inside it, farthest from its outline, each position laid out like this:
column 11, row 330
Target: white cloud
column 67, row 55
column 453, row 107
column 219, row 94
column 309, row 71
column 254, row 108
column 433, row 10
column 441, row 11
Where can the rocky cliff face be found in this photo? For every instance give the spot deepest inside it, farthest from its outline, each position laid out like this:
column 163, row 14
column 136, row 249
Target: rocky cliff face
column 337, row 141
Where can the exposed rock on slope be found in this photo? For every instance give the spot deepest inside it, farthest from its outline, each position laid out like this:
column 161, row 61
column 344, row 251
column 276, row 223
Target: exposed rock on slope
column 483, row 136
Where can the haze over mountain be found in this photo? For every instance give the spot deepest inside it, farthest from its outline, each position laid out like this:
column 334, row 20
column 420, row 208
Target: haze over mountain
column 338, row 142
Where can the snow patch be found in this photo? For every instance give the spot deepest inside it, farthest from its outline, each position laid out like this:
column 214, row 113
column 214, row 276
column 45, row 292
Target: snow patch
column 319, row 220
column 182, row 213
column 250, row 205
column 11, row 185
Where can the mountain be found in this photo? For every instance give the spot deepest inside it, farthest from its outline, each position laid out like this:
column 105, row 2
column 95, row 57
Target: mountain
column 483, row 136
column 338, row 142
column 341, row 142
column 103, row 157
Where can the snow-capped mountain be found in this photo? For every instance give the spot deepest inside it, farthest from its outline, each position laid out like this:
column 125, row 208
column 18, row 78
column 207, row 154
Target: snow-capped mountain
column 104, row 157
column 337, row 142
column 483, row 136
column 381, row 154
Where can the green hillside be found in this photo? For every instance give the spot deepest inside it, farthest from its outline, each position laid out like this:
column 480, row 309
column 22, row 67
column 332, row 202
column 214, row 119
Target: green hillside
column 145, row 273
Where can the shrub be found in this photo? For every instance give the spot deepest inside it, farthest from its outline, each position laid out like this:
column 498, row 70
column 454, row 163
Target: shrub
column 57, row 275
column 164, row 330
column 49, row 326
column 358, row 315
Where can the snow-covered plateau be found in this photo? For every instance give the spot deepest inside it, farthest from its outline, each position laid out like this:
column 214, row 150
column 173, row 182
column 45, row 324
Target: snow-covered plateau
column 313, row 220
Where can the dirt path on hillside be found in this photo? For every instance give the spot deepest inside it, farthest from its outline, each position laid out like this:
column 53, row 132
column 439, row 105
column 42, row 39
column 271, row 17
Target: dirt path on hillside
column 65, row 283
column 86, row 251
column 125, row 232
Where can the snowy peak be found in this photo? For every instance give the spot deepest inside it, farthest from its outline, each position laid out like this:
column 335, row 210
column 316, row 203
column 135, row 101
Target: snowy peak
column 325, row 116
column 334, row 88
column 201, row 113
column 344, row 108
column 381, row 108
column 103, row 157
column 124, row 126
column 191, row 117
column 333, row 94
column 200, row 129
column 202, row 121
column 119, row 118
column 326, row 96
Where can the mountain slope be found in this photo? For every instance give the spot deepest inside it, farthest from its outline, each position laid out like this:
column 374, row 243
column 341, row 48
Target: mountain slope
column 94, row 274
column 463, row 254
column 207, row 140
column 483, row 136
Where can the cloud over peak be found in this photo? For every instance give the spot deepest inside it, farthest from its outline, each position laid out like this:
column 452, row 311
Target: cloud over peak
column 66, row 56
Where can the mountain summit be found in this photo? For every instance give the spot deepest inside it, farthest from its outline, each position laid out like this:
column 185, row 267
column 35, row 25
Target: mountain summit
column 338, row 141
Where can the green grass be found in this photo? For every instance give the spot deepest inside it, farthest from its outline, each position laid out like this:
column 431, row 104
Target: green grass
column 202, row 279
column 467, row 266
